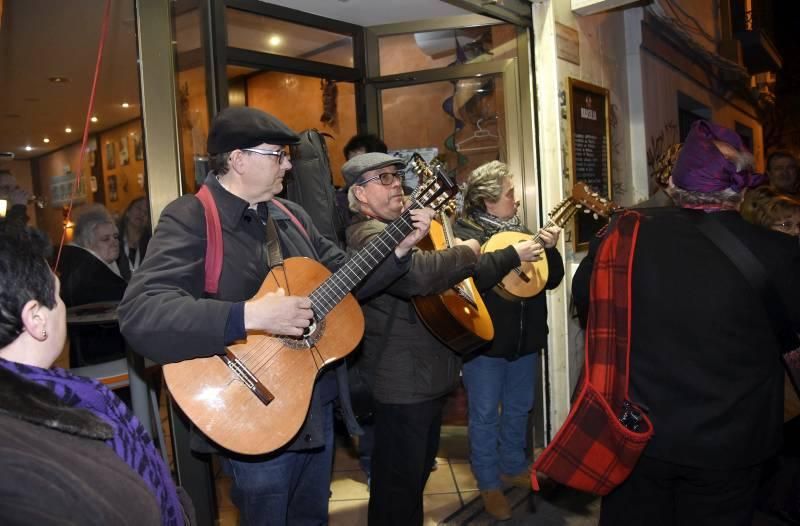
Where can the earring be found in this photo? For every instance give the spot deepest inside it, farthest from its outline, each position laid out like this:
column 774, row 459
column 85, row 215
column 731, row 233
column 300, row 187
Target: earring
column 44, row 334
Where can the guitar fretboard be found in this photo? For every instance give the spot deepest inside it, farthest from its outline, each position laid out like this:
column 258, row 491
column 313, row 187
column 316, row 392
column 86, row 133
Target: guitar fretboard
column 331, row 291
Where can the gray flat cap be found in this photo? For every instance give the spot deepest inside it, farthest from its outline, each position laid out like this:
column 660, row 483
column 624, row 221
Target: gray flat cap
column 353, row 169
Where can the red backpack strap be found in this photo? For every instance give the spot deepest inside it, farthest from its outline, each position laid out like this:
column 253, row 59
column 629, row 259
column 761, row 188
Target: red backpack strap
column 213, row 240
column 294, row 219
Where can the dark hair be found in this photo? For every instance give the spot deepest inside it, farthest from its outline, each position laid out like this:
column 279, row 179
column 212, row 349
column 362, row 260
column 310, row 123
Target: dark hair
column 123, row 221
column 24, row 276
column 218, row 162
column 368, row 141
column 776, row 155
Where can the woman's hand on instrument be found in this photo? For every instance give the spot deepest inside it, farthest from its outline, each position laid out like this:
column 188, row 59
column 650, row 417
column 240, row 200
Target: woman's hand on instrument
column 471, row 243
column 421, row 219
column 548, row 237
column 529, row 250
column 277, row 313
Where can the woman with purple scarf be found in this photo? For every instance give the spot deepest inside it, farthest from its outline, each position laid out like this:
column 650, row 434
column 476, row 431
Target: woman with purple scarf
column 71, row 452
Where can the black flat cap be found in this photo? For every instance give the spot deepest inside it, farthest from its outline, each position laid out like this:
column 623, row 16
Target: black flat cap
column 353, row 169
column 242, row 127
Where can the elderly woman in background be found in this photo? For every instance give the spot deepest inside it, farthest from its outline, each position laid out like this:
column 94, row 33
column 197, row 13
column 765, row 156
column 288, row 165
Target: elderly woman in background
column 504, row 373
column 134, row 234
column 767, row 207
column 70, row 450
column 89, row 274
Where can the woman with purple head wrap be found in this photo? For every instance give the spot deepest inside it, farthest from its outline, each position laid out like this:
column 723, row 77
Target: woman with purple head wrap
column 713, row 168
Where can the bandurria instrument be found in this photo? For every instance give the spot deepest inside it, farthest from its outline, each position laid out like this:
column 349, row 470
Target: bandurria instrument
column 529, row 279
column 254, row 398
column 457, row 316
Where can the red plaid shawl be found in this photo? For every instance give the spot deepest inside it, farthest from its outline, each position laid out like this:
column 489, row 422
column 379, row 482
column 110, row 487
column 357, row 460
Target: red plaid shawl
column 593, row 451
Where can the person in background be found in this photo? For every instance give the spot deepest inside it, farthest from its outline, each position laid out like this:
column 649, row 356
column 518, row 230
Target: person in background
column 89, row 274
column 704, row 356
column 504, row 373
column 70, row 451
column 16, row 199
column 766, row 207
column 364, row 143
column 134, row 234
column 408, row 370
column 167, row 316
column 782, row 173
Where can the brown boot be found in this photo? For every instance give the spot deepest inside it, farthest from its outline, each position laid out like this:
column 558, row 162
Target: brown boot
column 520, row 480
column 496, row 504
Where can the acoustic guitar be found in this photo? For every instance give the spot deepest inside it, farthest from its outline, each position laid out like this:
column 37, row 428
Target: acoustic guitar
column 253, row 399
column 457, row 316
column 530, row 278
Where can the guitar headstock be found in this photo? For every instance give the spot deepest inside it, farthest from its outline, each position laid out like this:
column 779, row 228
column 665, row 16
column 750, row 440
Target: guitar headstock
column 592, row 202
column 436, row 187
column 585, row 199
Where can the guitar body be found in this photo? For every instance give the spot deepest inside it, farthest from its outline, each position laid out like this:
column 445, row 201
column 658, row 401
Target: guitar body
column 227, row 411
column 527, row 280
column 462, row 324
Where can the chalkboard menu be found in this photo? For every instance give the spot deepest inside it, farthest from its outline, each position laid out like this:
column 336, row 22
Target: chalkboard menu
column 590, row 150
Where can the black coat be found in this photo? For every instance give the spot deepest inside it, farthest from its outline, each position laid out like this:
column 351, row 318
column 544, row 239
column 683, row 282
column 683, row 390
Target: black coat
column 704, row 357
column 520, row 327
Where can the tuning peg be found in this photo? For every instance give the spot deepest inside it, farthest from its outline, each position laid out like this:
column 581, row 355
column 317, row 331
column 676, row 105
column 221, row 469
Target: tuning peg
column 586, row 211
column 578, row 205
column 595, row 216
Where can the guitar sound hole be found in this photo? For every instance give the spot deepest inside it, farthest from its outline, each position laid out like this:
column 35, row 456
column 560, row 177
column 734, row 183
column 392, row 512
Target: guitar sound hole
column 314, row 333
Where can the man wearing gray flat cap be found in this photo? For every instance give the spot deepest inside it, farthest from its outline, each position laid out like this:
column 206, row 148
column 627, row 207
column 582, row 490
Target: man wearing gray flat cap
column 171, row 314
column 408, row 370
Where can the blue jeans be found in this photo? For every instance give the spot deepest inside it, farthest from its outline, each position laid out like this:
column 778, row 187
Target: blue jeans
column 290, row 488
column 500, row 394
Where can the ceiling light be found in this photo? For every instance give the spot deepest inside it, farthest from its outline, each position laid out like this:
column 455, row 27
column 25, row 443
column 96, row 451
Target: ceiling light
column 126, row 105
column 28, row 148
column 94, row 119
column 45, row 140
column 68, row 129
column 58, row 80
column 275, row 41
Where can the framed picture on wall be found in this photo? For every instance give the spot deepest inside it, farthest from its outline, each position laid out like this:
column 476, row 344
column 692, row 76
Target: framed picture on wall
column 111, row 158
column 112, row 188
column 123, row 151
column 138, row 153
column 590, row 150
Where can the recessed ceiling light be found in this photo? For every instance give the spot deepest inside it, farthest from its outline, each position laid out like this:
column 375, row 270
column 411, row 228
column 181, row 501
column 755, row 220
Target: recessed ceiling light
column 275, row 41
column 94, row 119
column 58, row 80
column 45, row 140
column 68, row 129
column 28, row 148
column 126, row 105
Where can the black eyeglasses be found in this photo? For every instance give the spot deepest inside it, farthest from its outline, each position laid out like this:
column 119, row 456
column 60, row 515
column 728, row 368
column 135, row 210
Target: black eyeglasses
column 280, row 154
column 386, row 178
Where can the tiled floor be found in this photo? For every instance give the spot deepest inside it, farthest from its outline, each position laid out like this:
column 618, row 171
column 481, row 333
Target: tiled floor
column 449, row 486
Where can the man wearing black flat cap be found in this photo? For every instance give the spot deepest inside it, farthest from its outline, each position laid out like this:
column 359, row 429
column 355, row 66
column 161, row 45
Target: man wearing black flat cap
column 408, row 370
column 168, row 315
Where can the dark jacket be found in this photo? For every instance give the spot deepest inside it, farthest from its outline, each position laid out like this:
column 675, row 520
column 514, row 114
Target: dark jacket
column 123, row 262
column 704, row 358
column 55, row 467
column 166, row 317
column 520, row 327
column 402, row 361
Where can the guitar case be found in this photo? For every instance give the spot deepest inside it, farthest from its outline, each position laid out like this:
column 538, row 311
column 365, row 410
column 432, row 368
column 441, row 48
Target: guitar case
column 310, row 184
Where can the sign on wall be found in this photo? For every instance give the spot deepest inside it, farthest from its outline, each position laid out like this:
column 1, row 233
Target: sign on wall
column 590, row 149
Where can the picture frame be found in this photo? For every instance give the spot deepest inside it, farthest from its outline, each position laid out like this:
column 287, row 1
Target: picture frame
column 138, row 151
column 123, row 152
column 110, row 155
column 113, row 194
column 590, row 150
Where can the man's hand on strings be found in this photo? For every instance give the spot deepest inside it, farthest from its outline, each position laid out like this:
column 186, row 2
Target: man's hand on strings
column 277, row 313
column 421, row 219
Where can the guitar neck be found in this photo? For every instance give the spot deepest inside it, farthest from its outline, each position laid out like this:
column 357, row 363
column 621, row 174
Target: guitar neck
column 331, row 291
column 449, row 237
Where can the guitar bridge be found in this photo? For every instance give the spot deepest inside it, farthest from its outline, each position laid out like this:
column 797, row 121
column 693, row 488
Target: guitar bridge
column 247, row 378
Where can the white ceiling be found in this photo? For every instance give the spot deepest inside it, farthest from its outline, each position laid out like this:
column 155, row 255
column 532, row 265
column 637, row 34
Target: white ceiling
column 40, row 39
column 373, row 12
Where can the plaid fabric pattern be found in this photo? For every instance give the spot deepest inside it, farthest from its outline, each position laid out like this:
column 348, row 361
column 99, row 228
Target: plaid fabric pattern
column 593, row 451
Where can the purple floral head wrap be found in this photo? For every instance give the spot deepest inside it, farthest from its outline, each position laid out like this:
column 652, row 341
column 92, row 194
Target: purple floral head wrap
column 701, row 167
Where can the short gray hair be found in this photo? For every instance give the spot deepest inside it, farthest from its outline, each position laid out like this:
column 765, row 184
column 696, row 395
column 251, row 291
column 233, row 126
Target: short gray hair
column 88, row 221
column 485, row 183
